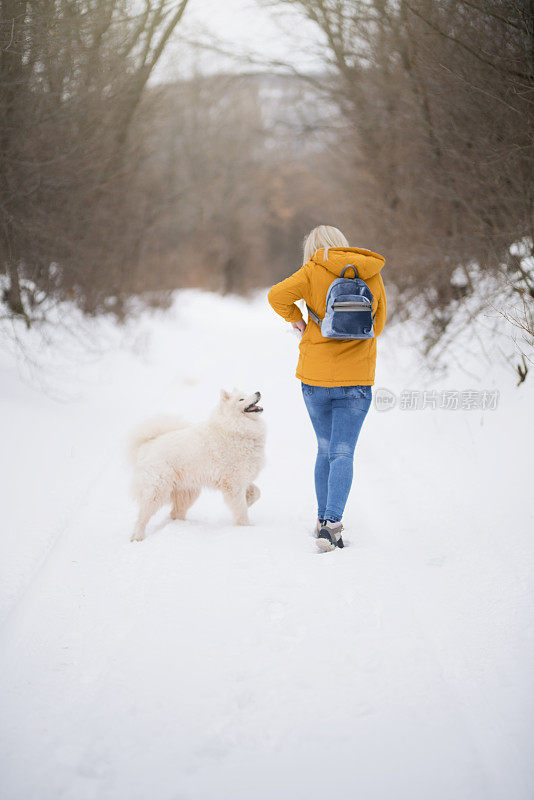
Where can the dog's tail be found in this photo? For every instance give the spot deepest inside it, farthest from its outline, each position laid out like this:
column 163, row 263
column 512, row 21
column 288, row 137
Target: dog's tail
column 151, row 430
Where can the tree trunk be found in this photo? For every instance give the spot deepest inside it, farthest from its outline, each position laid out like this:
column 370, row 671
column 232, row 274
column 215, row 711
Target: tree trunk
column 11, row 81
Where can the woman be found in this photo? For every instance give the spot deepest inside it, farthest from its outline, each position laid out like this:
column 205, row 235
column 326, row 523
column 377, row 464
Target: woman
column 336, row 375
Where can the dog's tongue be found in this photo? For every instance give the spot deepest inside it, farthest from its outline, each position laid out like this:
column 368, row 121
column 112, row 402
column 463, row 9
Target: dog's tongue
column 254, row 407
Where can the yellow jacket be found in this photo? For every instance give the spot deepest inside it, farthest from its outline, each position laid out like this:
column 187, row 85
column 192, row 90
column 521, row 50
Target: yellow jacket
column 331, row 362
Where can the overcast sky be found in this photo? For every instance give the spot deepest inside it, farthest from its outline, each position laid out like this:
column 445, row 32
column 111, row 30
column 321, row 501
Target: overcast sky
column 243, row 27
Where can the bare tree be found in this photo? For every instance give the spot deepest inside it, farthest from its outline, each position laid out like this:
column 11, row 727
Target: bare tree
column 71, row 79
column 438, row 97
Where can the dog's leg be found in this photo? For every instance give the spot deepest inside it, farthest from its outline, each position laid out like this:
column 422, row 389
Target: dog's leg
column 177, row 510
column 182, row 500
column 147, row 509
column 237, row 502
column 253, row 493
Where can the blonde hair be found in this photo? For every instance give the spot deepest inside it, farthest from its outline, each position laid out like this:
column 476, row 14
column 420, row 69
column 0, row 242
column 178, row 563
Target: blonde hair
column 323, row 236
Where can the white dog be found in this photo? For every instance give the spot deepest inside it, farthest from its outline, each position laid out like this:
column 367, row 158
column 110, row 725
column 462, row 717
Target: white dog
column 173, row 461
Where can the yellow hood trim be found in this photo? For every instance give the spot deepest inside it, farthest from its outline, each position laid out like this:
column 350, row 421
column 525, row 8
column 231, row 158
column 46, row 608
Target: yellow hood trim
column 366, row 262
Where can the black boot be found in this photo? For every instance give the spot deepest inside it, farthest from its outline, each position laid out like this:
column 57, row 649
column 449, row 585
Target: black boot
column 329, row 537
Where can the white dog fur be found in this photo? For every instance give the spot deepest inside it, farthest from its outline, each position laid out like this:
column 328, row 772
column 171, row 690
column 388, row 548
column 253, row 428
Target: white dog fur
column 174, row 461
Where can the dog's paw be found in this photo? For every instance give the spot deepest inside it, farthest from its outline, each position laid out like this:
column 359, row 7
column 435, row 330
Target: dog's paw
column 177, row 514
column 137, row 537
column 252, row 494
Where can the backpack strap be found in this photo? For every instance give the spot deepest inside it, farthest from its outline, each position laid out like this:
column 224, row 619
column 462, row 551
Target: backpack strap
column 349, row 266
column 313, row 315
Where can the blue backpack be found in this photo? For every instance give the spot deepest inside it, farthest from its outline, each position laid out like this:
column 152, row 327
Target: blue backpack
column 349, row 309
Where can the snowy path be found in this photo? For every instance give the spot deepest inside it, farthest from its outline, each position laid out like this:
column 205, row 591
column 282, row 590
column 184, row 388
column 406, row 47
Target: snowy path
column 217, row 663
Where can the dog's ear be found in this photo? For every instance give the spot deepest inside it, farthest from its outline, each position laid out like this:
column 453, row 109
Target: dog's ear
column 225, row 395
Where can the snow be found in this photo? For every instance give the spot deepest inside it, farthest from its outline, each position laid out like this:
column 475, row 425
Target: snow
column 215, row 662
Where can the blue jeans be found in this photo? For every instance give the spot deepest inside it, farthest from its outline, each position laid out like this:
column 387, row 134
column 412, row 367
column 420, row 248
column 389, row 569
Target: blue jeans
column 337, row 414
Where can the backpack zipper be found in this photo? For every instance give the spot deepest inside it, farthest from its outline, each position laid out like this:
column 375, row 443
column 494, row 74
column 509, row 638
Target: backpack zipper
column 351, row 305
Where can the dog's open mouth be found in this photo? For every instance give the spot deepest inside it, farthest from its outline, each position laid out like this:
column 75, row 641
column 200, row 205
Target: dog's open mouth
column 253, row 407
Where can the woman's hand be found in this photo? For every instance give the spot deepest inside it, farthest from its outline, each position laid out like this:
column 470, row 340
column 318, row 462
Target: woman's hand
column 300, row 326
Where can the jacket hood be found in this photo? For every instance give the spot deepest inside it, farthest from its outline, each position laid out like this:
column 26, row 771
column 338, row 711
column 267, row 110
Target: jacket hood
column 366, row 262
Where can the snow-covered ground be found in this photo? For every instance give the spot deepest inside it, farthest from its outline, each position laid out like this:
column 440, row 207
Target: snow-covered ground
column 219, row 663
